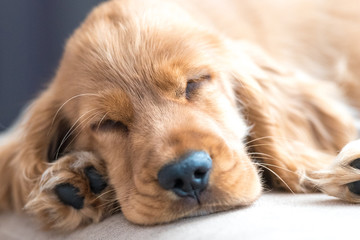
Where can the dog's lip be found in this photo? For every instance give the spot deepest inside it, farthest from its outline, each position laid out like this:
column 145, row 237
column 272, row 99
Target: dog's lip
column 209, row 208
column 195, row 194
column 205, row 199
column 210, row 203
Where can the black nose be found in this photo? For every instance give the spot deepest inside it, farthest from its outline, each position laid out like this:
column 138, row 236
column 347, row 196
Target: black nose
column 188, row 176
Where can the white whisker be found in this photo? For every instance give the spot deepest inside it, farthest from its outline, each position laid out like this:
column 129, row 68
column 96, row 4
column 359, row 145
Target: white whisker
column 268, row 137
column 259, row 145
column 282, row 180
column 102, row 119
column 263, row 154
column 89, row 119
column 67, row 101
column 272, row 165
column 72, row 129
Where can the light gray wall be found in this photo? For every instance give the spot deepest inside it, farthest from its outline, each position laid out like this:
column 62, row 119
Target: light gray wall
column 32, row 36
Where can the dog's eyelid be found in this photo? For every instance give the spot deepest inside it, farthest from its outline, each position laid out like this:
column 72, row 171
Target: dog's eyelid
column 194, row 83
column 109, row 124
column 191, row 87
column 205, row 77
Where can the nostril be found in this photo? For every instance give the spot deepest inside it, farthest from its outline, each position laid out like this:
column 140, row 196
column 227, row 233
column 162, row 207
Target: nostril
column 200, row 173
column 178, row 183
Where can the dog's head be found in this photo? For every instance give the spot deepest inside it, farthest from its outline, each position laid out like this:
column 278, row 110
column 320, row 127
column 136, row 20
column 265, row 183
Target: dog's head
column 160, row 99
column 156, row 104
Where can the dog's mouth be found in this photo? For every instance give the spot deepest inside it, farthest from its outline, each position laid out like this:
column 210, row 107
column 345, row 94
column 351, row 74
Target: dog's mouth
column 194, row 195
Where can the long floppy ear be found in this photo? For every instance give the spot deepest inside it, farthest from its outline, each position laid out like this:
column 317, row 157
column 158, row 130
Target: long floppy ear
column 298, row 123
column 27, row 147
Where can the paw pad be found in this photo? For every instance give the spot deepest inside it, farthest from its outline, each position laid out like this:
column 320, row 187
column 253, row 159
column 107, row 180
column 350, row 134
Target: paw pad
column 69, row 195
column 96, row 181
column 354, row 187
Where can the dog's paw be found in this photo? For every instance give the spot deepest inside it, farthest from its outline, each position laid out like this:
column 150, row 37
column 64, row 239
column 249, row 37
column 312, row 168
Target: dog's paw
column 70, row 195
column 342, row 178
column 72, row 192
column 354, row 187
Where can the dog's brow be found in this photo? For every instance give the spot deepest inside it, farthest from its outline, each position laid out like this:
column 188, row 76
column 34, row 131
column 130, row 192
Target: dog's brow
column 116, row 104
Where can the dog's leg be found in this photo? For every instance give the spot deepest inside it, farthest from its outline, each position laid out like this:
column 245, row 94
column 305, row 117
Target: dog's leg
column 72, row 192
column 342, row 178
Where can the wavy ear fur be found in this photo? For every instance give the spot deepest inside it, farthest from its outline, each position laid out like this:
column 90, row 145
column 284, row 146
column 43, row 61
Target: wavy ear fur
column 27, row 147
column 299, row 124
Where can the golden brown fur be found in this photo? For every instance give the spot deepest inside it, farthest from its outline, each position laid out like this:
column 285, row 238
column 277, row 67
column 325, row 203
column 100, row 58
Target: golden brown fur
column 279, row 85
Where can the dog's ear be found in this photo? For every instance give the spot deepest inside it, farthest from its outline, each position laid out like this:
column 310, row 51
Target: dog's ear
column 297, row 122
column 39, row 137
column 61, row 138
column 46, row 129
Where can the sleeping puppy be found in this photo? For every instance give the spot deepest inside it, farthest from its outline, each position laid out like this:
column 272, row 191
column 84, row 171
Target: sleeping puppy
column 169, row 109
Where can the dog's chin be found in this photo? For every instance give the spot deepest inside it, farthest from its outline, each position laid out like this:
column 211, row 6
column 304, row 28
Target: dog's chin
column 213, row 207
column 211, row 201
column 193, row 210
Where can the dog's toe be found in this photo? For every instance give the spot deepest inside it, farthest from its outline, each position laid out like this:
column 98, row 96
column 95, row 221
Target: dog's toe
column 354, row 187
column 96, row 180
column 69, row 195
column 355, row 163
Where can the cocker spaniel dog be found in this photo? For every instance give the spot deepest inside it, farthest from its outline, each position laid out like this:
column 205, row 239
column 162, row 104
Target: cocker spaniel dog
column 168, row 109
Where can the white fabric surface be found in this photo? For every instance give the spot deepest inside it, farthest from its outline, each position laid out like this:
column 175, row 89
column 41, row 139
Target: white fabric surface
column 273, row 216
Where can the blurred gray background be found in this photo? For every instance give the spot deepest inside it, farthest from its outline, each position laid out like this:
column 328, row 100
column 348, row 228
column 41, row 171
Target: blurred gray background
column 32, row 37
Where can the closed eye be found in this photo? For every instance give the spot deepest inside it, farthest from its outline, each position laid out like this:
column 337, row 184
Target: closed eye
column 191, row 87
column 111, row 125
column 194, row 84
